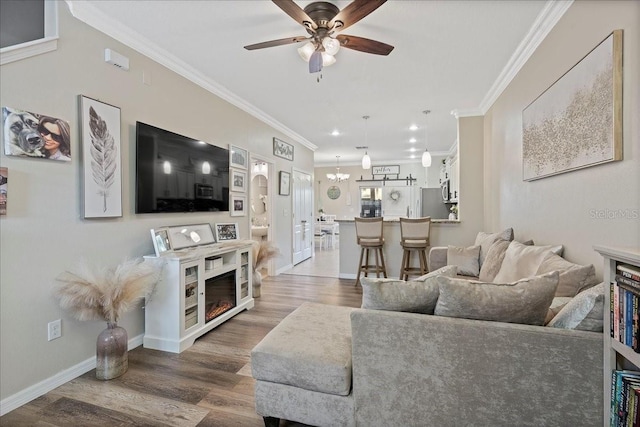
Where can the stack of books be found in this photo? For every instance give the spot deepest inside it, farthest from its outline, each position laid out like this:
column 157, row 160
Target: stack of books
column 625, row 303
column 625, row 397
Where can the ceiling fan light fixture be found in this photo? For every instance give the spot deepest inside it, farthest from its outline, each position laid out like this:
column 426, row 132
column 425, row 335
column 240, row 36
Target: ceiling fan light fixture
column 327, row 59
column 331, row 45
column 306, row 50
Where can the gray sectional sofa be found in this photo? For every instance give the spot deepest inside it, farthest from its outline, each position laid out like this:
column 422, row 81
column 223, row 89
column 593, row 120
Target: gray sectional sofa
column 338, row 366
column 444, row 351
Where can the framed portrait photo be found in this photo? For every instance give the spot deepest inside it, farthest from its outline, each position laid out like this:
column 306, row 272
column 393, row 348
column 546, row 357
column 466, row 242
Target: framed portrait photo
column 282, row 149
column 237, row 205
column 227, row 231
column 238, row 157
column 160, row 238
column 285, row 183
column 238, row 180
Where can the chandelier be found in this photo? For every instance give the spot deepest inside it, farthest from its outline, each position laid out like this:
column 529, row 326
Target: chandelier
column 337, row 177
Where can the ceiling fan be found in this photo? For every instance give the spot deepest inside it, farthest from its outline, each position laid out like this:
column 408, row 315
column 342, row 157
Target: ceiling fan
column 322, row 20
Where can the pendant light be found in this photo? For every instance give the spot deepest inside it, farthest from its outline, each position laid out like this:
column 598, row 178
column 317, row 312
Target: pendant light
column 366, row 160
column 426, row 156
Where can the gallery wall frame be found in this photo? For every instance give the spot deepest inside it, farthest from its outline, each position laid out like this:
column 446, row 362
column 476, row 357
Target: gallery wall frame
column 238, row 157
column 4, row 186
column 284, row 187
column 577, row 122
column 226, row 231
column 282, row 149
column 237, row 204
column 238, row 180
column 101, row 159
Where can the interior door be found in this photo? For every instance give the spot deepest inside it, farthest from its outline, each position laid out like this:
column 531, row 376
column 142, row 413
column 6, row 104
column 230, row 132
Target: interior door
column 302, row 216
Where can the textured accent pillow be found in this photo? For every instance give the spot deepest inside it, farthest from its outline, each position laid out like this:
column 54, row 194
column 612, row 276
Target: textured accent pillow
column 521, row 261
column 584, row 311
column 447, row 270
column 466, row 259
column 526, row 301
column 418, row 296
column 485, row 240
column 493, row 260
column 574, row 278
column 556, row 305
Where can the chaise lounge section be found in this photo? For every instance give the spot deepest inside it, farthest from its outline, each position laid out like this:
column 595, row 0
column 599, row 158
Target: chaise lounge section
column 327, row 366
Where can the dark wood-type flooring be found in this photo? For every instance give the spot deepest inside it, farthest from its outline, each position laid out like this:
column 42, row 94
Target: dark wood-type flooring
column 209, row 384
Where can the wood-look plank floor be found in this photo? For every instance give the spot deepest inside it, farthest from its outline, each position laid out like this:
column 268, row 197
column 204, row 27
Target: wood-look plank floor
column 209, row 384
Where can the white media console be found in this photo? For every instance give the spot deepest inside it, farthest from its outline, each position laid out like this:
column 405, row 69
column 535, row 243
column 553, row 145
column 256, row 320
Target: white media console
column 200, row 288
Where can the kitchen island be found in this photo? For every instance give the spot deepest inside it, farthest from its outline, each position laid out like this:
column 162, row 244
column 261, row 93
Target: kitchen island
column 350, row 250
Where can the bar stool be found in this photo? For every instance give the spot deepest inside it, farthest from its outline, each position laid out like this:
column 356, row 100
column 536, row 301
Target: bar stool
column 369, row 236
column 414, row 236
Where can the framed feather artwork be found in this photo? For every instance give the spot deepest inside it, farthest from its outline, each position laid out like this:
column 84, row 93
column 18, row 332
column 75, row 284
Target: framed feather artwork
column 101, row 159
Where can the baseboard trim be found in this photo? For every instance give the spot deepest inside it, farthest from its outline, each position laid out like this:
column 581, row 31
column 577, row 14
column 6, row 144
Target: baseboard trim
column 347, row 276
column 283, row 269
column 33, row 392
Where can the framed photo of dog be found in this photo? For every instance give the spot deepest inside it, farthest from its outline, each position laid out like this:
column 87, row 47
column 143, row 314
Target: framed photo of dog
column 101, row 159
column 34, row 135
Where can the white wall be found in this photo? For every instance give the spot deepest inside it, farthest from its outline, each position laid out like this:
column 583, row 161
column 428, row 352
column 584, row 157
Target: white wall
column 43, row 233
column 565, row 209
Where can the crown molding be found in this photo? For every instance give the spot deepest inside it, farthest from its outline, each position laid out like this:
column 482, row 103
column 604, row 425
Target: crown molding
column 472, row 112
column 93, row 17
column 544, row 23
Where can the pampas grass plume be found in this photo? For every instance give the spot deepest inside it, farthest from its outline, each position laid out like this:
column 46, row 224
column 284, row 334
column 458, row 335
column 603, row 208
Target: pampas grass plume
column 263, row 251
column 100, row 293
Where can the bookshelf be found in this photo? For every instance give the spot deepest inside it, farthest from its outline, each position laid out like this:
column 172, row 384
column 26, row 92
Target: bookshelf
column 616, row 354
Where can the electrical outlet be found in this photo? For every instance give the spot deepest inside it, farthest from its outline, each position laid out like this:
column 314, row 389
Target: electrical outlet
column 54, row 329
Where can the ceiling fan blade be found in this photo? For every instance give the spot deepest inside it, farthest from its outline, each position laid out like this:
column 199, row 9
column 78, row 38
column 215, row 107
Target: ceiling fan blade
column 296, row 12
column 364, row 45
column 354, row 12
column 280, row 42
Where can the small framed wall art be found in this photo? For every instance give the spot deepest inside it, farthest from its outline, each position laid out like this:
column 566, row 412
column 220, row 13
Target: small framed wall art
column 238, row 157
column 282, row 149
column 238, row 181
column 285, row 183
column 101, row 159
column 237, row 205
column 227, row 231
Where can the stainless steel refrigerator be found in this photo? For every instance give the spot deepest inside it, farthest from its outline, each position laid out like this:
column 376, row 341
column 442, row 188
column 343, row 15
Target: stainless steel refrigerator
column 433, row 205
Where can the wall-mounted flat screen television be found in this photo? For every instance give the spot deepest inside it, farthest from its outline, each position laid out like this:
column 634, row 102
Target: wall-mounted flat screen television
column 175, row 173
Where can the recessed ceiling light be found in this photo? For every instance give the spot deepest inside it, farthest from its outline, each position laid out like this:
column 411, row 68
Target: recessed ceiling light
column 413, row 156
column 412, row 149
column 413, row 127
column 335, row 132
column 413, row 140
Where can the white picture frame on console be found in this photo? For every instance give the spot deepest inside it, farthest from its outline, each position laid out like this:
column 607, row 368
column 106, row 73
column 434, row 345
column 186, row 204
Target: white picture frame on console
column 160, row 239
column 226, row 231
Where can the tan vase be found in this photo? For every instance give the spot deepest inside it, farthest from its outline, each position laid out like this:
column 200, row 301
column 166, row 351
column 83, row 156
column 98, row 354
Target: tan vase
column 112, row 355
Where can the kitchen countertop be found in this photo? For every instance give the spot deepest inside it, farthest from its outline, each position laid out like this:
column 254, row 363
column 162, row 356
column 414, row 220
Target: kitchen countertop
column 397, row 220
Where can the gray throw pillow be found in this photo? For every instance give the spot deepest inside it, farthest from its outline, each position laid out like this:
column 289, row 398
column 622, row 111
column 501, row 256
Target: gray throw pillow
column 466, row 259
column 417, row 296
column 485, row 240
column 584, row 312
column 526, row 301
column 447, row 270
column 493, row 260
column 574, row 278
column 522, row 261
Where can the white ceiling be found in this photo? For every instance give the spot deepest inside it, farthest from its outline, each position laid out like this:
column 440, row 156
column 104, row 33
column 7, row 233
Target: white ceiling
column 447, row 56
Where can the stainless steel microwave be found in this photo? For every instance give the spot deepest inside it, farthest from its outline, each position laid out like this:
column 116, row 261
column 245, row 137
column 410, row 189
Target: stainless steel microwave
column 445, row 191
